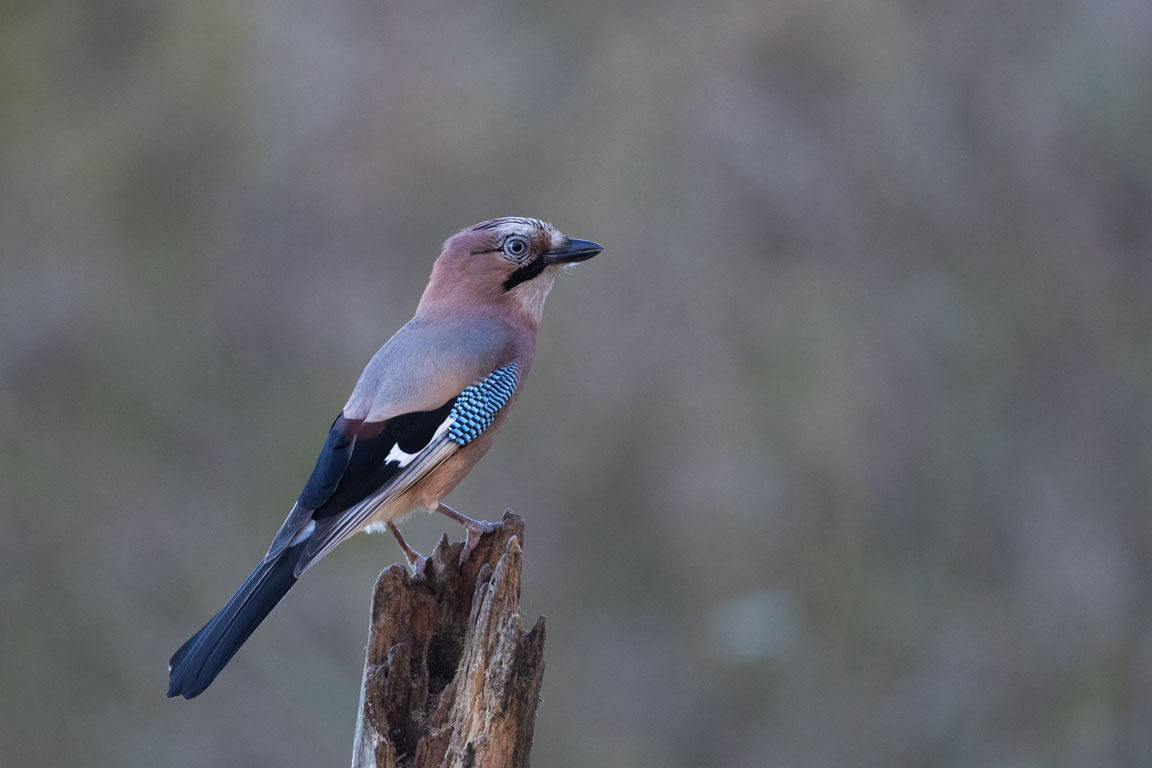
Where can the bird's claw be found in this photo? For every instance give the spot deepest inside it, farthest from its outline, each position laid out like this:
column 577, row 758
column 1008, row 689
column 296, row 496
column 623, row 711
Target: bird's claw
column 416, row 564
column 415, row 560
column 475, row 529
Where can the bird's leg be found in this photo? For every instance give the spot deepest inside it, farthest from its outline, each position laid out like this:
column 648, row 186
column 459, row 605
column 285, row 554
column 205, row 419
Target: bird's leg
column 415, row 559
column 475, row 528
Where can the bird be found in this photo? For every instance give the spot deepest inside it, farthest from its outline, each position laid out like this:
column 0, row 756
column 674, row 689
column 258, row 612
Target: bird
column 423, row 412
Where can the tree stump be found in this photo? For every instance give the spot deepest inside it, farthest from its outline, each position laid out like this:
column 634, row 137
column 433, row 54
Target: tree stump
column 451, row 679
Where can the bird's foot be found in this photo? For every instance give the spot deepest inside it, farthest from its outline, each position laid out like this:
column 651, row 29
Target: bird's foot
column 415, row 560
column 473, row 537
column 475, row 529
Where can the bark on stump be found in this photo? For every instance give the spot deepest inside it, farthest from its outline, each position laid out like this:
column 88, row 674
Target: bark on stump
column 451, row 679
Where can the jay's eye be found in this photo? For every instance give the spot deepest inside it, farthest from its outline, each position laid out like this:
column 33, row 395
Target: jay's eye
column 515, row 247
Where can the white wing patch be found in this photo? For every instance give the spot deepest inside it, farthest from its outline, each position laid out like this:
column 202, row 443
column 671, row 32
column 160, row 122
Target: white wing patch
column 399, row 456
column 403, row 458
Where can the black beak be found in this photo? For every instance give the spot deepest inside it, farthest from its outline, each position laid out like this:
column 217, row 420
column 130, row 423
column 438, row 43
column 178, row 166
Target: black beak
column 575, row 250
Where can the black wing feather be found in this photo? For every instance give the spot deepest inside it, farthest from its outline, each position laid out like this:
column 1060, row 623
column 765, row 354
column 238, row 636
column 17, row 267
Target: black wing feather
column 364, row 470
column 331, row 464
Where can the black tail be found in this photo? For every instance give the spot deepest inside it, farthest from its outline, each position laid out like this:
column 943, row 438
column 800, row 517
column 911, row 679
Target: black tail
column 195, row 665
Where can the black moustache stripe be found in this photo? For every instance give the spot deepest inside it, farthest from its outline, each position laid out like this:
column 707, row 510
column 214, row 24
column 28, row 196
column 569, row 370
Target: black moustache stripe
column 525, row 273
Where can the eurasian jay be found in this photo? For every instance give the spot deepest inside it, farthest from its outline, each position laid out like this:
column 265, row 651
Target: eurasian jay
column 422, row 414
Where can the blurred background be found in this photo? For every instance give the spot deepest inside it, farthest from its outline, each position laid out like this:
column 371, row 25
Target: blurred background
column 839, row 454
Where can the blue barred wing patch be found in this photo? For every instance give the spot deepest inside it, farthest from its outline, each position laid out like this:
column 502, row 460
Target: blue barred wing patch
column 477, row 405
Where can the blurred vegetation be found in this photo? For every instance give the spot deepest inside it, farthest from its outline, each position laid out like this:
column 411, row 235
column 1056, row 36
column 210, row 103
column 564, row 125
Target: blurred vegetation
column 840, row 454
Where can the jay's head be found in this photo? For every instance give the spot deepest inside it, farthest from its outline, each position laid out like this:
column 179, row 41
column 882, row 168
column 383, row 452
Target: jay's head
column 509, row 262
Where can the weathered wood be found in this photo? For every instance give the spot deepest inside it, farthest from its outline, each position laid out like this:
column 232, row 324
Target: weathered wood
column 451, row 679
